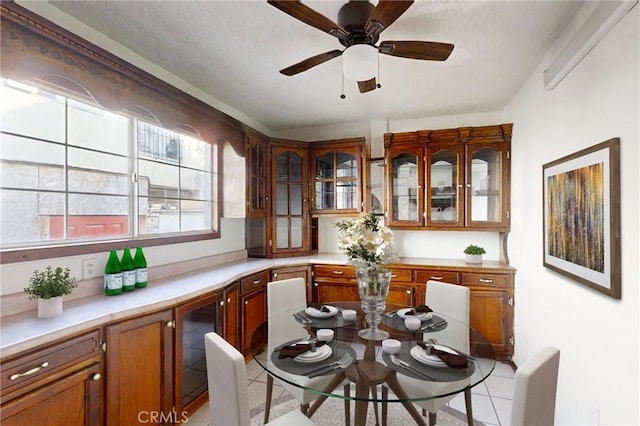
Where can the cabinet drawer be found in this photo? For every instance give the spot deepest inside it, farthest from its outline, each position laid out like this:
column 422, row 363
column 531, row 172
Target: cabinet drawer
column 490, row 280
column 335, row 271
column 401, row 275
column 424, row 275
column 254, row 281
column 49, row 360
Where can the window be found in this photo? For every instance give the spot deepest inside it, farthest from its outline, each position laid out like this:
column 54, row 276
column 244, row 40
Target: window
column 73, row 172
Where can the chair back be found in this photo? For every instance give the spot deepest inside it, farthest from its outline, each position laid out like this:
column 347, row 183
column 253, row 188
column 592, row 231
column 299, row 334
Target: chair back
column 227, row 378
column 449, row 299
column 534, row 390
column 288, row 295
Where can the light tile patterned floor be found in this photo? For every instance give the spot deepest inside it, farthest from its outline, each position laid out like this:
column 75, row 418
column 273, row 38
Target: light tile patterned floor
column 491, row 399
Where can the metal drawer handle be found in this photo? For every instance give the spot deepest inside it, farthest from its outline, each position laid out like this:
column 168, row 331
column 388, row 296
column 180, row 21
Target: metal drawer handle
column 338, row 272
column 394, row 276
column 485, row 280
column 256, row 281
column 436, row 277
column 29, row 372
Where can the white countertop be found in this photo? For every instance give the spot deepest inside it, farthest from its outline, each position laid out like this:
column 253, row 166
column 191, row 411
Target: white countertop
column 25, row 330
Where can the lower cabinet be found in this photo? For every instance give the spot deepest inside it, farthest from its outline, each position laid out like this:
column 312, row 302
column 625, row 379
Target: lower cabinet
column 59, row 384
column 232, row 315
column 139, row 371
column 253, row 310
column 287, row 272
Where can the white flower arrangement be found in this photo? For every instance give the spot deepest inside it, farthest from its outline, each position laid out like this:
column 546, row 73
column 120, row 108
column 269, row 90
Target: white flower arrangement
column 368, row 243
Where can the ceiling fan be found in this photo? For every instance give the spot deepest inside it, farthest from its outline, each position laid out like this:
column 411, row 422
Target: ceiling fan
column 360, row 24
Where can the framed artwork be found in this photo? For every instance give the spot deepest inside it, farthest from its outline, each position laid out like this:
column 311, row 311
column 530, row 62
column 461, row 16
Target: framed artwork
column 581, row 216
column 376, row 188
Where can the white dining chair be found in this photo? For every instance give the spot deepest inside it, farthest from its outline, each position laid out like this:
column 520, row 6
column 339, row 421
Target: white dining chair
column 290, row 296
column 534, row 389
column 227, row 378
column 453, row 301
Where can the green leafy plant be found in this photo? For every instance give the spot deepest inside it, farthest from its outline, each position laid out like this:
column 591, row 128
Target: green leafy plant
column 471, row 249
column 50, row 283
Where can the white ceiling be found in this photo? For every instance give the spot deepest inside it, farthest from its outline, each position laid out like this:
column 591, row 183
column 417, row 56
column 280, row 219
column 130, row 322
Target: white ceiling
column 233, row 51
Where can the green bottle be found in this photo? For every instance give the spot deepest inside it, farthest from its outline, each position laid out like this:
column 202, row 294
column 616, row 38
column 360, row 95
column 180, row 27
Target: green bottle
column 128, row 271
column 112, row 275
column 140, row 263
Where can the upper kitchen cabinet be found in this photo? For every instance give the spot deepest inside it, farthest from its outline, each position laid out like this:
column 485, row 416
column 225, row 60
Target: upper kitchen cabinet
column 449, row 179
column 258, row 198
column 337, row 176
column 290, row 218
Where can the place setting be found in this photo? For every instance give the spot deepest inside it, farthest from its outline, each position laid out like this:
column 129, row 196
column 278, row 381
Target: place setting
column 313, row 356
column 427, row 360
column 419, row 319
column 325, row 316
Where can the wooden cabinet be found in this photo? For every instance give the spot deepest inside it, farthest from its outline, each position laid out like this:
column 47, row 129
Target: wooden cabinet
column 231, row 297
column 491, row 310
column 193, row 320
column 258, row 196
column 301, row 271
column 253, row 305
column 139, row 369
column 290, row 192
column 337, row 176
column 55, row 384
column 449, row 179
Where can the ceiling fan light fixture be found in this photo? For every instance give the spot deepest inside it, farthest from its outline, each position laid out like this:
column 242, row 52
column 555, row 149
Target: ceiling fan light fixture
column 360, row 62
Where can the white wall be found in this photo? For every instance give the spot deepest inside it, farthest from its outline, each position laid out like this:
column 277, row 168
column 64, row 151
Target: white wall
column 597, row 335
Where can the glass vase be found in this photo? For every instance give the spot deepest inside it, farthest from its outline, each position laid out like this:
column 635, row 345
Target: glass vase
column 373, row 288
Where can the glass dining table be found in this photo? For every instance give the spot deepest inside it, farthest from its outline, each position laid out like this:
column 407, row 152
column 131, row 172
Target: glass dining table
column 442, row 357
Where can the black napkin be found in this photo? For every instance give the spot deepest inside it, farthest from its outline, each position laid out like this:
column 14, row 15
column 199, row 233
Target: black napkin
column 420, row 309
column 295, row 349
column 452, row 360
column 319, row 307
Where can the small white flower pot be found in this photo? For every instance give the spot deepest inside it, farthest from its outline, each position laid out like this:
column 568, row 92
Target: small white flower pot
column 48, row 308
column 473, row 258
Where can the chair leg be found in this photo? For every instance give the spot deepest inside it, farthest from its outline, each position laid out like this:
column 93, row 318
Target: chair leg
column 432, row 419
column 267, row 402
column 304, row 408
column 347, row 404
column 424, row 412
column 467, row 403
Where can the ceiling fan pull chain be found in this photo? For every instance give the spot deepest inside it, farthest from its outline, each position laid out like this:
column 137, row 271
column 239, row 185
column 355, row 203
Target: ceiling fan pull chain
column 378, row 85
column 342, row 95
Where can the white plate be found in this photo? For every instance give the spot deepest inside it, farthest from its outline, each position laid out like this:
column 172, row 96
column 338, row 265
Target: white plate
column 422, row 316
column 321, row 353
column 316, row 313
column 421, row 355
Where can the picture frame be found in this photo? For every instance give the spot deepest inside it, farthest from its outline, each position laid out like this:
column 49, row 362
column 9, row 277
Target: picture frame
column 376, row 186
column 581, row 217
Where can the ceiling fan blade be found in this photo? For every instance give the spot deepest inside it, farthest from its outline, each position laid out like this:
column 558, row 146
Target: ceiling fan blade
column 425, row 50
column 309, row 16
column 310, row 62
column 367, row 85
column 385, row 14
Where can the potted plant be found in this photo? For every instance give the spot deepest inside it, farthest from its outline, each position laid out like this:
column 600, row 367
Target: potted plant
column 474, row 254
column 48, row 287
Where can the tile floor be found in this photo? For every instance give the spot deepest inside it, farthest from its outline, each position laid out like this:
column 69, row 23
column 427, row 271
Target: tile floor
column 491, row 399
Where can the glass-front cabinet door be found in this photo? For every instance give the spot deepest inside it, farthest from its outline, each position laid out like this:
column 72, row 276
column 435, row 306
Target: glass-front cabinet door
column 257, row 175
column 336, row 180
column 487, row 178
column 405, row 177
column 445, row 189
column 289, row 166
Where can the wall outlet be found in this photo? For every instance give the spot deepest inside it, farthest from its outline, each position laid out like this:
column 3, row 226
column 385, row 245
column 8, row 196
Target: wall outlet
column 89, row 269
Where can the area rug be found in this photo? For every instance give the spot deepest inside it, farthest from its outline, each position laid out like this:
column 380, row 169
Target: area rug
column 331, row 413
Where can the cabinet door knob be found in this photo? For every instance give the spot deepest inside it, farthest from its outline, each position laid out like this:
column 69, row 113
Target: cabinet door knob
column 229, row 300
column 222, row 303
column 30, row 371
column 408, row 291
column 96, row 377
column 275, row 275
column 246, row 302
column 170, row 323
